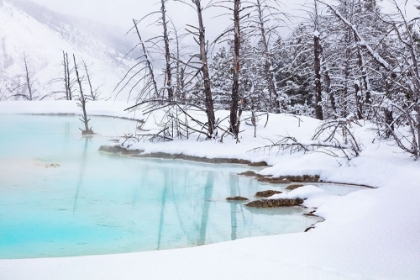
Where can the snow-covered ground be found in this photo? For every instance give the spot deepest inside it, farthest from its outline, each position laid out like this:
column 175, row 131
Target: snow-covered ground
column 368, row 234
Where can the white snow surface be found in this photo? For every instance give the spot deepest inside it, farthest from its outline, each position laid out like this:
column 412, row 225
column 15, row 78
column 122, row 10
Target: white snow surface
column 368, row 234
column 42, row 40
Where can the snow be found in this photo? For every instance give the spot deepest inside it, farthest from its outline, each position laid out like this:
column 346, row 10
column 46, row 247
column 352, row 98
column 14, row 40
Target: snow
column 367, row 234
column 42, row 40
column 361, row 42
column 314, row 196
column 95, row 108
column 304, row 192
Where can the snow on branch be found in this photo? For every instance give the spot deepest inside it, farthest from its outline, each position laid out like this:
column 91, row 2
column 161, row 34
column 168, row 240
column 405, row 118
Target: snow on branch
column 361, row 42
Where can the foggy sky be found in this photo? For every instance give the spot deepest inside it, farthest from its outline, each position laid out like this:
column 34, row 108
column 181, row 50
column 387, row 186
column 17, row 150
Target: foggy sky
column 117, row 13
column 121, row 12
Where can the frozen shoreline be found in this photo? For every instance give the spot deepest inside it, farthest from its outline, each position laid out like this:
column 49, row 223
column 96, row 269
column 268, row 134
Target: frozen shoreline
column 369, row 234
column 64, row 107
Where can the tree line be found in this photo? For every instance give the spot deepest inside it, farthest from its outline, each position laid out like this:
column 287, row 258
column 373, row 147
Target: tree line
column 345, row 60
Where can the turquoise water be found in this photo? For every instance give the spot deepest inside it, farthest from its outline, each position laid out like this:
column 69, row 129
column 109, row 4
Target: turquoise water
column 59, row 196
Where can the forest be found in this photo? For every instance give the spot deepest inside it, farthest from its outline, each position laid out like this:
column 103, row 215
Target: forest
column 343, row 63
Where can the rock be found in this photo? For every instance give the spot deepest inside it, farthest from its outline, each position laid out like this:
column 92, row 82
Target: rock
column 288, row 179
column 270, row 203
column 88, row 132
column 193, row 158
column 258, row 164
column 294, row 187
column 309, row 228
column 304, row 178
column 111, row 149
column 118, row 150
column 311, row 179
column 237, row 198
column 310, row 214
column 270, row 180
column 267, row 193
column 248, row 174
column 285, row 181
column 52, row 165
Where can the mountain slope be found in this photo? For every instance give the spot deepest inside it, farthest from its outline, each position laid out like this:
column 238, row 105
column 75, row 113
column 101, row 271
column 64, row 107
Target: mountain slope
column 32, row 31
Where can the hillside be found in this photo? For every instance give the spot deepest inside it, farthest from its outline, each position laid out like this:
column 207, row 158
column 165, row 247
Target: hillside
column 32, row 31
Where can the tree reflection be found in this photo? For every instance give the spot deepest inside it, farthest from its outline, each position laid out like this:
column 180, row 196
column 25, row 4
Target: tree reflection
column 233, row 182
column 166, row 182
column 208, row 191
column 81, row 173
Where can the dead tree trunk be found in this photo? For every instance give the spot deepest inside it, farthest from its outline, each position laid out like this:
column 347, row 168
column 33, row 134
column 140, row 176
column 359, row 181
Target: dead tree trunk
column 388, row 114
column 67, row 65
column 318, row 87
column 329, row 91
column 357, row 97
column 205, row 69
column 317, row 65
column 28, row 80
column 346, row 74
column 148, row 63
column 363, row 71
column 234, row 120
column 167, row 52
column 82, row 101
column 92, row 92
column 178, row 65
column 66, row 85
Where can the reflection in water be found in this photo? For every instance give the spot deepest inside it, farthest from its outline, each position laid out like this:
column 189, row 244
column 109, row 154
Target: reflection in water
column 81, row 173
column 185, row 230
column 233, row 183
column 208, row 190
column 66, row 135
column 166, row 184
column 122, row 204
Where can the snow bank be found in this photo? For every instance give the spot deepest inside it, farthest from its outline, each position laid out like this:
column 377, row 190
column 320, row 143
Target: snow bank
column 314, row 197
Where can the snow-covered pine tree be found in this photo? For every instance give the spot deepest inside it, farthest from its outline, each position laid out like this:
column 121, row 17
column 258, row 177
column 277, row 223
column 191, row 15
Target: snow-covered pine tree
column 293, row 68
column 221, row 79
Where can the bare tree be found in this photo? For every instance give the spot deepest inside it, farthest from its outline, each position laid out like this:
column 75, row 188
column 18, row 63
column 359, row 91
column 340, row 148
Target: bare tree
column 68, row 85
column 65, row 80
column 28, row 86
column 179, row 70
column 234, row 118
column 29, row 82
column 330, row 94
column 82, row 102
column 168, row 70
column 261, row 20
column 94, row 93
column 317, row 67
column 205, row 68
